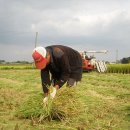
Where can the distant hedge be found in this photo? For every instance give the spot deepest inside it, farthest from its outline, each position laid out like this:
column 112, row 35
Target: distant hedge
column 16, row 66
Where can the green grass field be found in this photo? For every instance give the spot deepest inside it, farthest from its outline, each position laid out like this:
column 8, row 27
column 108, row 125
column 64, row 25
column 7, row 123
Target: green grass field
column 105, row 100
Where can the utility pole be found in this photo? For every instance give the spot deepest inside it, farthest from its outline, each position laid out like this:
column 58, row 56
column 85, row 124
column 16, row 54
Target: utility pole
column 33, row 64
column 36, row 39
column 116, row 56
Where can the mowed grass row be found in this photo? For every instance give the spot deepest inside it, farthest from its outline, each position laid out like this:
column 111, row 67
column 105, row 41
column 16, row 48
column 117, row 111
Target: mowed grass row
column 119, row 68
column 99, row 102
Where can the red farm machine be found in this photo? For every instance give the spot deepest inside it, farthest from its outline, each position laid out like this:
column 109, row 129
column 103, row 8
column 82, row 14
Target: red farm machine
column 90, row 63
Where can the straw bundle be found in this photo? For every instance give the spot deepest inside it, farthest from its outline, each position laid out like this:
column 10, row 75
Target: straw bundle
column 65, row 105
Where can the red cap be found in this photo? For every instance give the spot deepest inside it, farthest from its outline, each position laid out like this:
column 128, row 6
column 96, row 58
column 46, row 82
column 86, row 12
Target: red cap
column 39, row 56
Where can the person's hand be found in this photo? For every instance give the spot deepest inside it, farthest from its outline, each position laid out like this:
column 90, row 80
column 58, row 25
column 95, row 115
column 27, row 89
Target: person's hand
column 53, row 93
column 45, row 100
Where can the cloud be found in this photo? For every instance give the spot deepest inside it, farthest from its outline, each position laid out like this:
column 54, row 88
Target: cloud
column 80, row 24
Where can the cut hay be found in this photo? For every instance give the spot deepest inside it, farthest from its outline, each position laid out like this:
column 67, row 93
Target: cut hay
column 64, row 106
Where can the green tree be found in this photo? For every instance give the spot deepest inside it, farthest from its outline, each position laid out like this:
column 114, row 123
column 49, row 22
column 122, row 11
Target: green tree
column 125, row 60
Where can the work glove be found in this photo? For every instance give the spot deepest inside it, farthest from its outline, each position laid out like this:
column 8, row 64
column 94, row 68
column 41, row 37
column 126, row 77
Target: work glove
column 45, row 100
column 53, row 92
column 52, row 95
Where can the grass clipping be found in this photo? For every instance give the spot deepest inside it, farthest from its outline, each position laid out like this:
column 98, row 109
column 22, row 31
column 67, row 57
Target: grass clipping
column 66, row 105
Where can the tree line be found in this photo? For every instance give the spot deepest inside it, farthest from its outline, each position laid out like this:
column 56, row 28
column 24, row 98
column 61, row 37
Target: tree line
column 15, row 62
column 125, row 60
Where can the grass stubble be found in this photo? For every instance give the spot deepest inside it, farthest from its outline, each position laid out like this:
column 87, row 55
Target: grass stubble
column 100, row 102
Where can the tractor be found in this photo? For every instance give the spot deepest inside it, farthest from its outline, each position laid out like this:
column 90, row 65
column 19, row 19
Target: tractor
column 89, row 63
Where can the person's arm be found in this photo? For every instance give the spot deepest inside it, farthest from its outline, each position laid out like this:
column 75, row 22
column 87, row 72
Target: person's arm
column 65, row 71
column 45, row 77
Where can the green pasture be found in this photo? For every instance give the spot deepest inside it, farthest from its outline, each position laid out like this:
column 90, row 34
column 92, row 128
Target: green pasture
column 99, row 102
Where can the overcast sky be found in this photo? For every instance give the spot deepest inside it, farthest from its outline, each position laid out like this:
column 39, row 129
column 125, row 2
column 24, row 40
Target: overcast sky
column 80, row 24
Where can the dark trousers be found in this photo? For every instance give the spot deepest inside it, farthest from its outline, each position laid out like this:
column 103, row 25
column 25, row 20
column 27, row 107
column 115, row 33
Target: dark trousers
column 71, row 82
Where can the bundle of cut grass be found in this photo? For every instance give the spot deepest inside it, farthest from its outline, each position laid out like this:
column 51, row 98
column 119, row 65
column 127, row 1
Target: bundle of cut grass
column 65, row 105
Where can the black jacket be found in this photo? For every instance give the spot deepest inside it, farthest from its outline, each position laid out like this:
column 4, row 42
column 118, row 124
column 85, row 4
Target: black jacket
column 65, row 63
